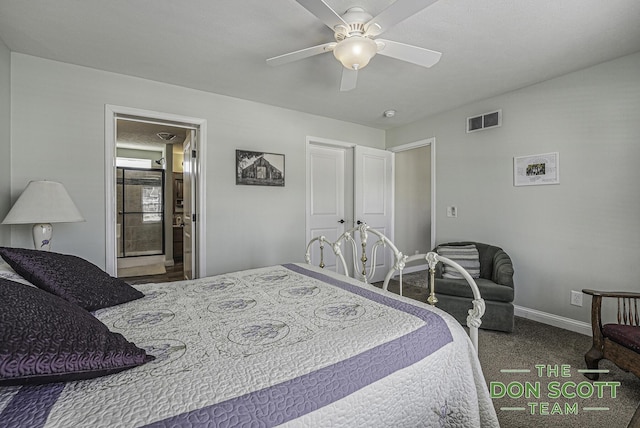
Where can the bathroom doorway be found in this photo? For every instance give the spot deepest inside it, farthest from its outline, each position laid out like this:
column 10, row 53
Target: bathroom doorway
column 146, row 207
column 146, row 217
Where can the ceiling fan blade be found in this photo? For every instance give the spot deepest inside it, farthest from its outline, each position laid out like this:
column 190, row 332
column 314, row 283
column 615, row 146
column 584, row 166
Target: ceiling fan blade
column 323, row 12
column 349, row 79
column 413, row 54
column 301, row 54
column 396, row 12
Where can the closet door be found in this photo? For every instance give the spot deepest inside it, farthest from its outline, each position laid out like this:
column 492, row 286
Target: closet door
column 325, row 199
column 350, row 183
column 373, row 199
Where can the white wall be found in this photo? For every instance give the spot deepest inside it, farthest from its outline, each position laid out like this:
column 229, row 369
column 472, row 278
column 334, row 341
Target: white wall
column 5, row 137
column 582, row 233
column 58, row 134
column 412, row 211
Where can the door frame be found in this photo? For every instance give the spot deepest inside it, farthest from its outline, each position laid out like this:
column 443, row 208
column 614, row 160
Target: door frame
column 112, row 113
column 431, row 142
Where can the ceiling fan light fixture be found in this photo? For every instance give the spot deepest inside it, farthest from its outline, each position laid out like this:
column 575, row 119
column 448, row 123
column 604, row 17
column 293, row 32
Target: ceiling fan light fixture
column 355, row 52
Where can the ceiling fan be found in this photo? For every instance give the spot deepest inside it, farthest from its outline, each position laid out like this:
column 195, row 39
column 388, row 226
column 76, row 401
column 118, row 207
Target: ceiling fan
column 355, row 33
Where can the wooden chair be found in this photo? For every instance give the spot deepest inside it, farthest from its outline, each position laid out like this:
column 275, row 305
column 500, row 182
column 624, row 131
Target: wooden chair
column 617, row 342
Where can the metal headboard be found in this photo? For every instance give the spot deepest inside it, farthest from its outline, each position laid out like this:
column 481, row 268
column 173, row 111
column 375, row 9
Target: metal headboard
column 474, row 317
column 363, row 271
column 399, row 261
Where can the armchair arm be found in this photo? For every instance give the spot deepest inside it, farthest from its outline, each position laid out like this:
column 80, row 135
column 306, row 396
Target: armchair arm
column 629, row 294
column 628, row 312
column 596, row 318
column 502, row 269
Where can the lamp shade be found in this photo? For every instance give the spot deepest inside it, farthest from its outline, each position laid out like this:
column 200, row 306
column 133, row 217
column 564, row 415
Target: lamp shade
column 43, row 202
column 355, row 52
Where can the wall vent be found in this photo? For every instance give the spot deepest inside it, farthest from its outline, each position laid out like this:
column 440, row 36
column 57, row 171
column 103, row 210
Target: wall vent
column 484, row 121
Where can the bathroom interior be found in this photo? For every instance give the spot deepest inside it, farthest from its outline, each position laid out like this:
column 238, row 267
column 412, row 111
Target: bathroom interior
column 149, row 198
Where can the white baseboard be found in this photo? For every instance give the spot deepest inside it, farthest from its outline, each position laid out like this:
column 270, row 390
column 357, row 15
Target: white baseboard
column 554, row 320
column 532, row 314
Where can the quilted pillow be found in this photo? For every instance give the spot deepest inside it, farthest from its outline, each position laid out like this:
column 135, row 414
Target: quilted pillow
column 44, row 338
column 70, row 277
column 466, row 256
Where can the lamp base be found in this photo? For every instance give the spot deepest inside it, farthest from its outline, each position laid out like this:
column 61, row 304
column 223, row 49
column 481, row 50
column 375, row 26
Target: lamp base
column 42, row 236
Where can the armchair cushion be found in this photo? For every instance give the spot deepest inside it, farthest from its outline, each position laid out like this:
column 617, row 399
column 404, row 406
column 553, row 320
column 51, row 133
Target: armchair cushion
column 465, row 255
column 625, row 335
column 489, row 290
column 495, row 264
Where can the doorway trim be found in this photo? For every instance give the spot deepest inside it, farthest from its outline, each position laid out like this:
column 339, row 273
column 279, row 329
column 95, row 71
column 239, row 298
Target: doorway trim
column 431, row 142
column 112, row 112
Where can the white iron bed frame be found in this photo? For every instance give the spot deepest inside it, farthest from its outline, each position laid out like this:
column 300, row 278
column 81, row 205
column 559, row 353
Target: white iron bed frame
column 474, row 319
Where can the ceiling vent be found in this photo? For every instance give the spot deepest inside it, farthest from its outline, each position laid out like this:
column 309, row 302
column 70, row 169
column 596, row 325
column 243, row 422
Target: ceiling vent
column 166, row 136
column 484, row 121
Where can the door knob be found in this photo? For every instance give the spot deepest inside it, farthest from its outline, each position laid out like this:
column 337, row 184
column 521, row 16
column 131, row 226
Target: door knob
column 358, row 222
column 341, row 221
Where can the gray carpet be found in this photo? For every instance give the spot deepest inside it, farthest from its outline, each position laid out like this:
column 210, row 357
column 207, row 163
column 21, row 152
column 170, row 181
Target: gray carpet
column 532, row 344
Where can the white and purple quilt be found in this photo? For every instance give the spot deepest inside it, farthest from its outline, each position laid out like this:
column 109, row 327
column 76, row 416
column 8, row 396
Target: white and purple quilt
column 288, row 345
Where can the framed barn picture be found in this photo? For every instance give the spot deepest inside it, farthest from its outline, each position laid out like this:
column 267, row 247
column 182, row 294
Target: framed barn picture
column 259, row 168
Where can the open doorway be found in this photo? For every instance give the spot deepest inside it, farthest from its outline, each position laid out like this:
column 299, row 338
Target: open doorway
column 415, row 199
column 153, row 198
column 149, row 201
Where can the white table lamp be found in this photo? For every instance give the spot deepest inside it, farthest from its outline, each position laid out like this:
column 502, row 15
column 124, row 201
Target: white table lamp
column 43, row 203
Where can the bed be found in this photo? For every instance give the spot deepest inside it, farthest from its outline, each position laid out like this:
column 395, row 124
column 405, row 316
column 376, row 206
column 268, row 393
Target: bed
column 285, row 345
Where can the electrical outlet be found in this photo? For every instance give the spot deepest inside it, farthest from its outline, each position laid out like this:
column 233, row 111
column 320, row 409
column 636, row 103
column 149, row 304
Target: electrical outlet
column 576, row 298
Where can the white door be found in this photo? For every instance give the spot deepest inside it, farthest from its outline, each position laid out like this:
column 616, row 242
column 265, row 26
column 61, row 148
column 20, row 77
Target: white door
column 325, row 199
column 189, row 196
column 373, row 205
column 360, row 181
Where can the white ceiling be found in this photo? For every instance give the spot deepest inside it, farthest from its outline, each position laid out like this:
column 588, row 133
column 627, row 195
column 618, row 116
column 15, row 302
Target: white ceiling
column 144, row 136
column 489, row 47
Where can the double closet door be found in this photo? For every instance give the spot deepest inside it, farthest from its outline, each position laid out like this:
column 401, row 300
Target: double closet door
column 346, row 185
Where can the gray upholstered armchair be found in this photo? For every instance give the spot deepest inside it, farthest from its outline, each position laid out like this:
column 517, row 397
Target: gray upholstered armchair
column 495, row 284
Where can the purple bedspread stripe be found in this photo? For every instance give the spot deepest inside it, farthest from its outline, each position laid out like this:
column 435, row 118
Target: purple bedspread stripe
column 296, row 397
column 30, row 407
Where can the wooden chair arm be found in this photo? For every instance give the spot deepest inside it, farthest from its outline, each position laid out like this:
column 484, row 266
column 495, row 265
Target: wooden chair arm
column 628, row 308
column 627, row 294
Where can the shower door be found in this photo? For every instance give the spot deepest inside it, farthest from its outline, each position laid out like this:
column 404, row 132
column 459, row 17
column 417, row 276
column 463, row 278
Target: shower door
column 140, row 204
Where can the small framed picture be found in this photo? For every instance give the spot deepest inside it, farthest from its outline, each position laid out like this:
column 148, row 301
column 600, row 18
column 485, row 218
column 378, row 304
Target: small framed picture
column 259, row 168
column 536, row 170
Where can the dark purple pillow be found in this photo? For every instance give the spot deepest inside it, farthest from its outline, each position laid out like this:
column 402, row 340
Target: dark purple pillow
column 44, row 338
column 70, row 277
